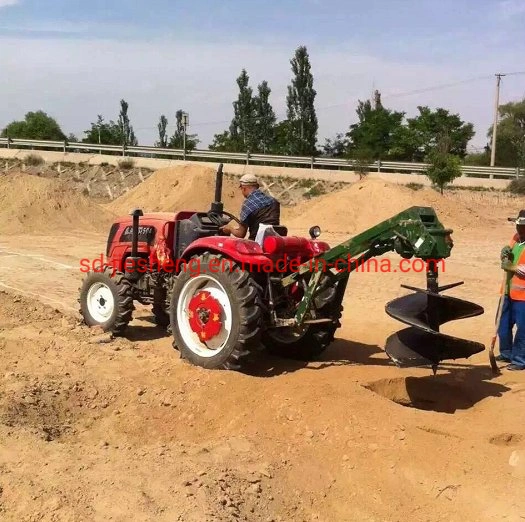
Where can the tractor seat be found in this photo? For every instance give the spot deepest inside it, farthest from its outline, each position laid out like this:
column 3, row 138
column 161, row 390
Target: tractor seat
column 281, row 230
column 269, row 230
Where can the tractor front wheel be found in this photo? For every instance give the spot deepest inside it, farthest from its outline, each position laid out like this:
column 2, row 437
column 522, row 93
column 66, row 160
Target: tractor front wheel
column 106, row 300
column 215, row 317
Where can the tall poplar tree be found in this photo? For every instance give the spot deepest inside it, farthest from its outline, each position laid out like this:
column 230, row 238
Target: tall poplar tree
column 163, row 136
column 302, row 119
column 126, row 130
column 264, row 119
column 242, row 133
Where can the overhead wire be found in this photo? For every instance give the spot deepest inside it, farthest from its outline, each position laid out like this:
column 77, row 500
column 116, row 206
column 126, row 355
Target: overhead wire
column 352, row 100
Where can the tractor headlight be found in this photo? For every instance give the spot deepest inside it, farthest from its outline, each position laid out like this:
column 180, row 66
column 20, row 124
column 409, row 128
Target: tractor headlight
column 315, row 232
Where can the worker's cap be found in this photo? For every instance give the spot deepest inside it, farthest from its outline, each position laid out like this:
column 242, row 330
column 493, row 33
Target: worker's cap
column 520, row 220
column 248, row 179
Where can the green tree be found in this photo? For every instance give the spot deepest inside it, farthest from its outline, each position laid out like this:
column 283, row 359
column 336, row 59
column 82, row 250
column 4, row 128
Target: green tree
column 444, row 167
column 163, row 136
column 374, row 135
column 104, row 133
column 264, row 125
column 35, row 126
column 223, row 142
column 337, row 147
column 422, row 133
column 127, row 135
column 242, row 126
column 510, row 146
column 177, row 140
column 281, row 145
column 478, row 159
column 302, row 120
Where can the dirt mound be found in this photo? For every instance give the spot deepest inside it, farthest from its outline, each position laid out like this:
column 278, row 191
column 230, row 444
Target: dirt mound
column 369, row 202
column 34, row 205
column 188, row 187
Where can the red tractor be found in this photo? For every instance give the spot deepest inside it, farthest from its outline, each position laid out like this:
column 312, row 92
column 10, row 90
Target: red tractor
column 222, row 297
column 219, row 295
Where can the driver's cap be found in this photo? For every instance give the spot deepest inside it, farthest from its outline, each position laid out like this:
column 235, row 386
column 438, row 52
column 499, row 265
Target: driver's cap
column 249, row 179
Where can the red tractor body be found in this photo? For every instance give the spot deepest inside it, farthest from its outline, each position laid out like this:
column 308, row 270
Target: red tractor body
column 221, row 296
column 160, row 248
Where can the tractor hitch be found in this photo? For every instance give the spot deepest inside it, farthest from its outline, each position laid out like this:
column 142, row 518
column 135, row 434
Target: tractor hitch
column 422, row 344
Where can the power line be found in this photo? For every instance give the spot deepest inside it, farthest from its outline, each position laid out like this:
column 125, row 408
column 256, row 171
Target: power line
column 512, row 73
column 354, row 99
column 437, row 87
column 394, row 95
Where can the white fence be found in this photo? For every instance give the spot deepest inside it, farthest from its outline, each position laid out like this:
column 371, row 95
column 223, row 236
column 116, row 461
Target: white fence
column 248, row 158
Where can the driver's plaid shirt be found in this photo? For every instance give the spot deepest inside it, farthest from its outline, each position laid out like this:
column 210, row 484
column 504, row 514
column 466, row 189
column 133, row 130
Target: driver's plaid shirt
column 255, row 201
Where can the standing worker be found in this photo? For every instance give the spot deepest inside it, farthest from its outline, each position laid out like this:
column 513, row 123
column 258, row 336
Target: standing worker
column 513, row 311
column 258, row 208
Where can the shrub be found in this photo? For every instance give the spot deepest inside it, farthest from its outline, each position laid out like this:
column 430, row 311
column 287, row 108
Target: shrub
column 415, row 186
column 33, row 160
column 315, row 192
column 361, row 161
column 517, row 186
column 126, row 164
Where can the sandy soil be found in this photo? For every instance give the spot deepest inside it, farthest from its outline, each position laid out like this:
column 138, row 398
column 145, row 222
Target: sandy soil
column 125, row 430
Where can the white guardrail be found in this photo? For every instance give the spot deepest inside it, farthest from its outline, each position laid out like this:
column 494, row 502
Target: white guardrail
column 312, row 162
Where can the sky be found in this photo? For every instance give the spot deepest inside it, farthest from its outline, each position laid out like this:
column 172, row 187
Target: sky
column 76, row 59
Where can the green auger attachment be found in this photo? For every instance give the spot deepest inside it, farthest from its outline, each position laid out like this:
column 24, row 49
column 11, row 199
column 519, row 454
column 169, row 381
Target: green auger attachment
column 422, row 344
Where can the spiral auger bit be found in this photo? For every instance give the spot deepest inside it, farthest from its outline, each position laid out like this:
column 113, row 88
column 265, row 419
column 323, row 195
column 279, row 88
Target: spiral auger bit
column 422, row 344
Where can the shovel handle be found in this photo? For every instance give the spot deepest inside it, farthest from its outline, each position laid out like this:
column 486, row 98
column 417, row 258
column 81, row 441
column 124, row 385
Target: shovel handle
column 492, row 359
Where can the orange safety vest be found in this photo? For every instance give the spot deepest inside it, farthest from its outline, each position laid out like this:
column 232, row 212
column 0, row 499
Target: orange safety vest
column 517, row 283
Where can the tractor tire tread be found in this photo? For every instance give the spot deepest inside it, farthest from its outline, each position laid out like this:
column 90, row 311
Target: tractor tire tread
column 124, row 291
column 247, row 296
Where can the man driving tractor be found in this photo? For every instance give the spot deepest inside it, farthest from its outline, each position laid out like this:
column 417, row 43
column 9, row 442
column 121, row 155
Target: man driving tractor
column 258, row 208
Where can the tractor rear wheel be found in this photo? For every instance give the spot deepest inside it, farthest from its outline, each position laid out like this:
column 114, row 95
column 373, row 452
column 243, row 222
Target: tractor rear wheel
column 106, row 300
column 215, row 317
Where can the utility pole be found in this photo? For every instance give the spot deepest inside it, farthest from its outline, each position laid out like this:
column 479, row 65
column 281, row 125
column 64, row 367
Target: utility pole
column 184, row 125
column 495, row 126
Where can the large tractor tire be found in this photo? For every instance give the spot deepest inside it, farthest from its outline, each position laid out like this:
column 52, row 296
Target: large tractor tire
column 215, row 317
column 311, row 340
column 106, row 300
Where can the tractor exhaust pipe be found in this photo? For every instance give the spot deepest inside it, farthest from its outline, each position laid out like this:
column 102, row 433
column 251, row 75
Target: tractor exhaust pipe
column 217, row 206
column 137, row 213
column 131, row 262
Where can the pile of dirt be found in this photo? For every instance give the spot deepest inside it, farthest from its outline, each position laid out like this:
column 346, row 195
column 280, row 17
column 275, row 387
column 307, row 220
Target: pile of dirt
column 187, row 187
column 34, row 205
column 371, row 201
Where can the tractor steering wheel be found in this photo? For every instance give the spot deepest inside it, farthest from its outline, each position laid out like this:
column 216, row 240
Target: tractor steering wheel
column 216, row 217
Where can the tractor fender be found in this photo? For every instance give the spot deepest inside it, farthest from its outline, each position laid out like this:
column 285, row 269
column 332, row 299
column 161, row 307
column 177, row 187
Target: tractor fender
column 243, row 251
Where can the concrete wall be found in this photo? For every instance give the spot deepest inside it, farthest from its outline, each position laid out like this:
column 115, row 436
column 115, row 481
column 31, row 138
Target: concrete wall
column 238, row 169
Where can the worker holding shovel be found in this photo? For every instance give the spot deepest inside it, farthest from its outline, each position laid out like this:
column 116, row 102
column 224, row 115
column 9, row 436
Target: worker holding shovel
column 512, row 350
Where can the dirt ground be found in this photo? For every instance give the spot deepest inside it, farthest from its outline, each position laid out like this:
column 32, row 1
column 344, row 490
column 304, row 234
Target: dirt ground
column 96, row 431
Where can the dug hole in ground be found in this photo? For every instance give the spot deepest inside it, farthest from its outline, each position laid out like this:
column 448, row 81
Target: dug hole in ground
column 127, row 431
